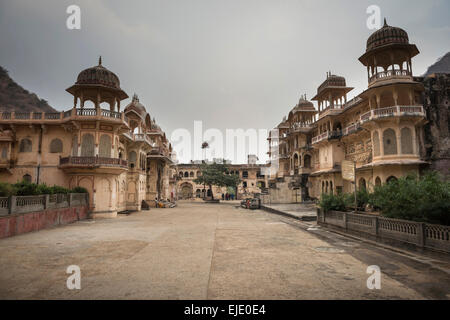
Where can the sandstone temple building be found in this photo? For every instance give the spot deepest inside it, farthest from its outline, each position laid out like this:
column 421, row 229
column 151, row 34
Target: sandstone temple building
column 121, row 157
column 382, row 129
column 252, row 175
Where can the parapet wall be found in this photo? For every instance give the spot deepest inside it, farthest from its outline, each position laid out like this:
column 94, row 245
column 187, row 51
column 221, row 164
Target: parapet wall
column 393, row 231
column 32, row 213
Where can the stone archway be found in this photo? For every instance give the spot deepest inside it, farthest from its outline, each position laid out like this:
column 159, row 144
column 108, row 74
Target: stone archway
column 186, row 191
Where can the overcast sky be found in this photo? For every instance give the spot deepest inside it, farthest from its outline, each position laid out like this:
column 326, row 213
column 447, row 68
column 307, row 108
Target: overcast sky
column 230, row 63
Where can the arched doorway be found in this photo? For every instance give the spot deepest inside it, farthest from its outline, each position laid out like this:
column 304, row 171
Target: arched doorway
column 186, row 191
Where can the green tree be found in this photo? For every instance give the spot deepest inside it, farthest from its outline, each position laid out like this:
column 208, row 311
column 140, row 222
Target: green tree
column 216, row 174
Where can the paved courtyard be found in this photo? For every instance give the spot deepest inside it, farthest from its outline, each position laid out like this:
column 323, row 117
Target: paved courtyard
column 209, row 251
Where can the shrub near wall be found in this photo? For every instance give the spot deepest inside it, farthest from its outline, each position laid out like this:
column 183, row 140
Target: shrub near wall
column 25, row 188
column 421, row 199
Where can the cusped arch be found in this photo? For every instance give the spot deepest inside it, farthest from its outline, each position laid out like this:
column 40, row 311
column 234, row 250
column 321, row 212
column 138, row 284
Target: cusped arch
column 56, row 146
column 87, row 145
column 389, row 142
column 406, row 141
column 104, row 149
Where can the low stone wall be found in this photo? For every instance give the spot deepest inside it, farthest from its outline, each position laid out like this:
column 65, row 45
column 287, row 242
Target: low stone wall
column 15, row 224
column 422, row 235
column 22, row 214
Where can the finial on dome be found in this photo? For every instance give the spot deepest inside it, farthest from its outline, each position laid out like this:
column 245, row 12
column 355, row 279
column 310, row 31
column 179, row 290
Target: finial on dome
column 100, row 61
column 385, row 23
column 135, row 98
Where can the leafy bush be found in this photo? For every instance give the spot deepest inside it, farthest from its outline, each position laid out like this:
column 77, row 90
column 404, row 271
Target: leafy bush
column 79, row 190
column 43, row 189
column 424, row 199
column 25, row 188
column 58, row 189
column 337, row 202
column 7, row 189
column 362, row 198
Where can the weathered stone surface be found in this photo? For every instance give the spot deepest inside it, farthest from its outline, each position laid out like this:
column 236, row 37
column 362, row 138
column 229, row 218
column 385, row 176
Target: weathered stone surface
column 436, row 144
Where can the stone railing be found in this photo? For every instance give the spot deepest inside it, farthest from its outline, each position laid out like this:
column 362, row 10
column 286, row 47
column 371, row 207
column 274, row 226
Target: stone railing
column 63, row 115
column 300, row 126
column 351, row 128
column 384, row 75
column 395, row 111
column 92, row 161
column 25, row 204
column 326, row 135
column 320, row 137
column 420, row 234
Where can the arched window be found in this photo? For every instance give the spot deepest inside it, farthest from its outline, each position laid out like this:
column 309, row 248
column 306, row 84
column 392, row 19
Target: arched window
column 362, row 184
column 181, row 174
column 27, row 178
column 186, row 174
column 74, row 146
column 56, row 146
column 244, row 184
column 389, row 142
column 378, row 181
column 391, row 179
column 406, row 141
column 245, row 174
column 104, row 149
column 376, row 144
column 191, row 174
column 87, row 145
column 4, row 153
column 132, row 159
column 25, row 145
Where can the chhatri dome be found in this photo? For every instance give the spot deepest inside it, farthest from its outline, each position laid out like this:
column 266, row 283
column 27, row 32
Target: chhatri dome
column 98, row 84
column 387, row 35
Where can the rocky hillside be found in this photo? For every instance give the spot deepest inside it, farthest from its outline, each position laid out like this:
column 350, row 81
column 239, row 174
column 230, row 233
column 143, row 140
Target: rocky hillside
column 441, row 66
column 15, row 98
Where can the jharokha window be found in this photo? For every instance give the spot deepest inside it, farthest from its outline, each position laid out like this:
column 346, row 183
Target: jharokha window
column 56, row 146
column 25, row 145
column 389, row 142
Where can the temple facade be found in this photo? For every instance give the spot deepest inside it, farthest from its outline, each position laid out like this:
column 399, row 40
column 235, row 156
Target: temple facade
column 381, row 130
column 121, row 157
column 253, row 181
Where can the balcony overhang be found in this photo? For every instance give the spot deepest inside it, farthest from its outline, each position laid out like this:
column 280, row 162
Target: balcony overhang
column 89, row 164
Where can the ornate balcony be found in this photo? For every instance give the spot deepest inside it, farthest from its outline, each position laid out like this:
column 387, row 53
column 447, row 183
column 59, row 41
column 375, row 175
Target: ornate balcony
column 389, row 75
column 63, row 116
column 396, row 111
column 109, row 165
column 351, row 129
column 300, row 127
column 326, row 136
